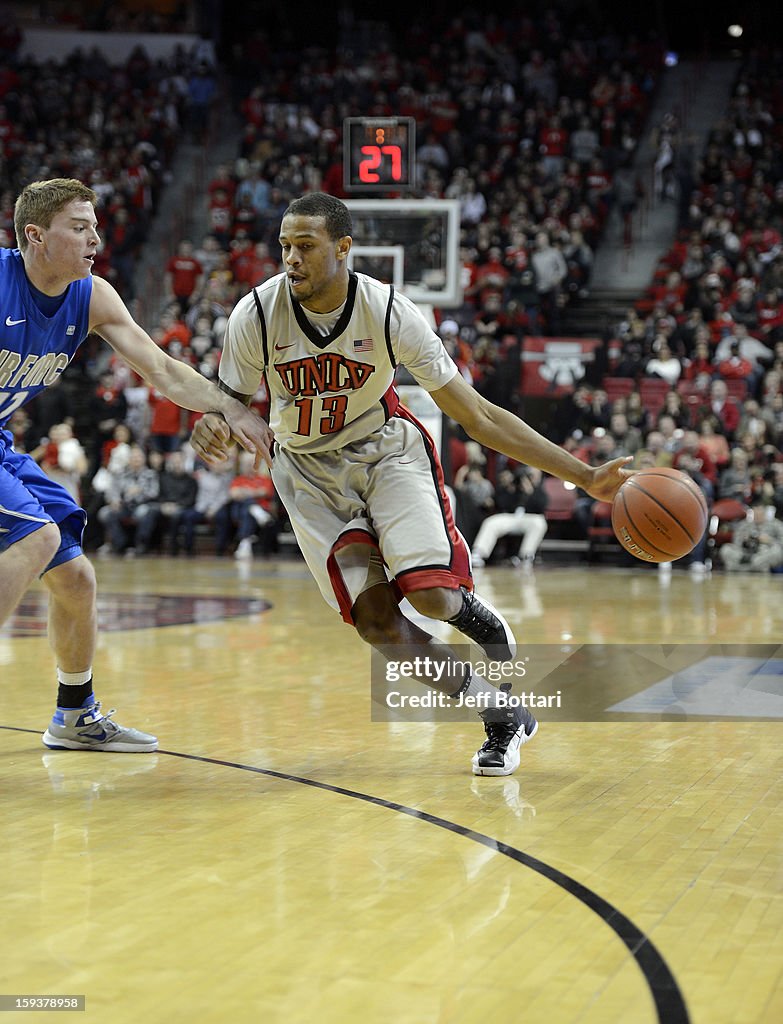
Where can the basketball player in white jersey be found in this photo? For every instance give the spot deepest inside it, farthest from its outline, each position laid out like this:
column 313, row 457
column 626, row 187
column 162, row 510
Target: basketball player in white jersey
column 49, row 303
column 359, row 476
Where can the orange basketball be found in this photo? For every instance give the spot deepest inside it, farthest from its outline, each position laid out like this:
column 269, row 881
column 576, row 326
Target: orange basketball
column 659, row 515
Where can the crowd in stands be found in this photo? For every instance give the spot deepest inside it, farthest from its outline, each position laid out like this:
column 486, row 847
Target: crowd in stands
column 695, row 368
column 526, row 130
column 115, row 127
column 532, row 134
column 120, row 16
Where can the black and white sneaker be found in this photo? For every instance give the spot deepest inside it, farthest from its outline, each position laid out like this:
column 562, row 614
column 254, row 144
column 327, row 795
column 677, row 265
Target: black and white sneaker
column 507, row 728
column 481, row 622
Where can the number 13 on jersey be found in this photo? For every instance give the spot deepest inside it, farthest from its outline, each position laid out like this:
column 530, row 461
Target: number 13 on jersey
column 332, row 413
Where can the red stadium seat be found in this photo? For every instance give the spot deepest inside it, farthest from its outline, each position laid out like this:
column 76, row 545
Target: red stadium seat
column 653, row 392
column 560, row 500
column 724, row 516
column 618, row 387
column 600, row 534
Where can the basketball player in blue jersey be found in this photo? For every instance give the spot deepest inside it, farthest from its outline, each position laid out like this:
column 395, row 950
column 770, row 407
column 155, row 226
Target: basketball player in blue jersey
column 49, row 302
column 359, row 477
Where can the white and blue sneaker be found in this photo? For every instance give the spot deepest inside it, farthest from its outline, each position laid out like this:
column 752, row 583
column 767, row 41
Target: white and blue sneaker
column 86, row 728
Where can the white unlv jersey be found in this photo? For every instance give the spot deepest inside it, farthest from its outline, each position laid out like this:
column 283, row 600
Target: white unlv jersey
column 328, row 390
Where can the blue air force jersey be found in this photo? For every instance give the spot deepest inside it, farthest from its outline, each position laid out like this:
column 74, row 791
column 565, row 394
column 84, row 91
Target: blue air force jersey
column 35, row 349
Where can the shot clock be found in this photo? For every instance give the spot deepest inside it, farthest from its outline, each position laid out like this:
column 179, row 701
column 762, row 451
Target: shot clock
column 379, row 154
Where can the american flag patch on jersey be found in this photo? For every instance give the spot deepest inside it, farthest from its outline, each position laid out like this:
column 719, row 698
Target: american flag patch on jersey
column 364, row 345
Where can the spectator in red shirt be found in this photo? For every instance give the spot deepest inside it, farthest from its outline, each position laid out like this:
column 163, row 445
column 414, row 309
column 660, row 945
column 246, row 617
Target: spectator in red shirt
column 138, row 184
column 168, row 426
column 724, row 407
column 223, row 180
column 760, row 237
column 700, row 363
column 697, row 456
column 553, row 144
column 492, row 276
column 171, row 329
column 735, row 366
column 598, row 185
column 184, row 276
column 628, row 94
column 252, row 505
column 333, row 179
column 245, row 218
column 253, row 266
column 240, row 255
column 671, row 294
column 221, row 216
column 770, row 316
column 253, row 107
column 443, row 111
column 108, row 408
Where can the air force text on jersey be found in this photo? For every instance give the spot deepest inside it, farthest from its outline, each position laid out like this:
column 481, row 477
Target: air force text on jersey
column 30, row 370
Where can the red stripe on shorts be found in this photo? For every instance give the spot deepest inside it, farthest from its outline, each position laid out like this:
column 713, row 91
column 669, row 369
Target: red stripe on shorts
column 458, row 572
column 423, row 579
column 341, row 592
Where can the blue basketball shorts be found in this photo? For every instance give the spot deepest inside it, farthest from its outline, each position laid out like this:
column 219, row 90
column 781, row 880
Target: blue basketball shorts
column 29, row 499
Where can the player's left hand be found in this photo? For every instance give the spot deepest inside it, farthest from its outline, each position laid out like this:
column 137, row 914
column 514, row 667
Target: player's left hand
column 609, row 478
column 211, row 438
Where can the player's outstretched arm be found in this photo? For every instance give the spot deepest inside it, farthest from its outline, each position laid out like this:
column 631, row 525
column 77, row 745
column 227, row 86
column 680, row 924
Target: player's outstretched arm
column 179, row 382
column 496, row 428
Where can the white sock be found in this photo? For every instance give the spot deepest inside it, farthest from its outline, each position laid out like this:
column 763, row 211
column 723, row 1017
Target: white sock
column 74, row 678
column 473, row 684
column 478, row 684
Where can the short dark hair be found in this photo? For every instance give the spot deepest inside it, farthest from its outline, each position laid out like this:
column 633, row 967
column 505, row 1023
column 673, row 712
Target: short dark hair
column 337, row 219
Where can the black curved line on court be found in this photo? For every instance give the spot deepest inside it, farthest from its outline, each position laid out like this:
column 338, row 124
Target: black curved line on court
column 669, row 1002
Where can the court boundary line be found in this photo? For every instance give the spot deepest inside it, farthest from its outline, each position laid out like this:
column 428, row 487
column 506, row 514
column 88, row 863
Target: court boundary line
column 668, row 999
column 666, row 994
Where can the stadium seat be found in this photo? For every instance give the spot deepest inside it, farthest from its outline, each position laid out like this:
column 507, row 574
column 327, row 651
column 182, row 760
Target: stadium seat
column 560, row 500
column 724, row 516
column 618, row 387
column 600, row 535
column 653, row 393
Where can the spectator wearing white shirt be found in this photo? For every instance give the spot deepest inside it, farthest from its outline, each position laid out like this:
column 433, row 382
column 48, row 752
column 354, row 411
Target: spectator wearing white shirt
column 756, row 352
column 473, row 205
column 664, row 364
column 550, row 269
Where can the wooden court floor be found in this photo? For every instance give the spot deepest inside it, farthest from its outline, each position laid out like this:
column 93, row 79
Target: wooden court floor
column 285, row 858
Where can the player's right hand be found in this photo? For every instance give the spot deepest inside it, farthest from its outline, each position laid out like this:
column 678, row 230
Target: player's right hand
column 609, row 478
column 250, row 431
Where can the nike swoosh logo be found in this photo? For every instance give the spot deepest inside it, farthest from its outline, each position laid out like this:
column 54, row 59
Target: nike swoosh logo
column 12, row 323
column 281, row 348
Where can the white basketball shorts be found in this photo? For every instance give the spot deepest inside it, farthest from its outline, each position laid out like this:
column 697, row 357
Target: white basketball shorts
column 375, row 511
